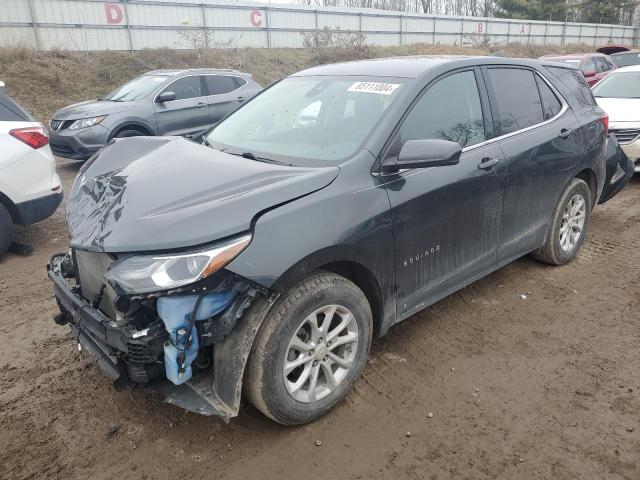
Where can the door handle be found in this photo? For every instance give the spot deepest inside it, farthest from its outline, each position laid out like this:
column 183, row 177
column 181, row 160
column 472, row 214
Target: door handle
column 241, row 99
column 200, row 105
column 488, row 162
column 565, row 132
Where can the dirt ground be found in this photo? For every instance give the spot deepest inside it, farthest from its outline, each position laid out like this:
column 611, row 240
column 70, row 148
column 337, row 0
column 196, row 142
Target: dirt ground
column 542, row 387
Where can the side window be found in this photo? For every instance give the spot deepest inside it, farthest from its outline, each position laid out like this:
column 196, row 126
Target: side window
column 589, row 66
column 448, row 110
column 185, row 87
column 240, row 82
column 575, row 82
column 551, row 106
column 220, row 84
column 517, row 98
column 601, row 65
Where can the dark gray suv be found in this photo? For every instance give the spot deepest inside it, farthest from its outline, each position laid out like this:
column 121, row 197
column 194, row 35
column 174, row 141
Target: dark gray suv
column 161, row 102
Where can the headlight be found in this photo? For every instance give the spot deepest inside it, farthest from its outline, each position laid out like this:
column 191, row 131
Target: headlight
column 86, row 122
column 151, row 273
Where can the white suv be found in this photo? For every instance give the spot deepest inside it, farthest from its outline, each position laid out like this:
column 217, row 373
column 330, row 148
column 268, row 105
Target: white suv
column 30, row 188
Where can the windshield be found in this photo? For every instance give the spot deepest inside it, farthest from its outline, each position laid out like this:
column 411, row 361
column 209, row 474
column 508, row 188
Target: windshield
column 137, row 88
column 619, row 85
column 626, row 59
column 318, row 118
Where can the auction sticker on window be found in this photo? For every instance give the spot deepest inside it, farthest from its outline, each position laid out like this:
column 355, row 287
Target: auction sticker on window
column 374, row 87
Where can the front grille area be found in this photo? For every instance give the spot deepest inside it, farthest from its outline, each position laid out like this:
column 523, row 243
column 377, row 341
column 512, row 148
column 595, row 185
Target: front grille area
column 626, row 135
column 57, row 125
column 91, row 269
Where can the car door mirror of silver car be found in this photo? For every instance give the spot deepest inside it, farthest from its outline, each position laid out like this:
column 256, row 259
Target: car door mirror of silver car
column 589, row 73
column 166, row 97
column 423, row 153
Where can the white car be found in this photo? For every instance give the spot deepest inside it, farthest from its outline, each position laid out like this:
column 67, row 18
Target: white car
column 619, row 95
column 30, row 188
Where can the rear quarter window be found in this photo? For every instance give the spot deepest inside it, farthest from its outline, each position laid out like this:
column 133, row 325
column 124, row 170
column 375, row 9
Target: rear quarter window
column 575, row 83
column 10, row 111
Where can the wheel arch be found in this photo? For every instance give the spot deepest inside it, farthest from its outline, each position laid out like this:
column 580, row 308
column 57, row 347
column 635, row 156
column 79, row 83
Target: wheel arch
column 351, row 268
column 132, row 125
column 10, row 206
column 589, row 177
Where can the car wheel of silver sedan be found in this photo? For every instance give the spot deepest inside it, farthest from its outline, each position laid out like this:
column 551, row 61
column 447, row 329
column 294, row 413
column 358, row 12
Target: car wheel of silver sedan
column 312, row 346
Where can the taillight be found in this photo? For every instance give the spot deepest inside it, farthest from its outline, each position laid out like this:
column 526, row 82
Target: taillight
column 605, row 122
column 35, row 137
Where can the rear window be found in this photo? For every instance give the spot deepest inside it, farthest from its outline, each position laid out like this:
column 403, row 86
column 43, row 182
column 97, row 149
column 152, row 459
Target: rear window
column 10, row 111
column 626, row 59
column 575, row 82
column 517, row 98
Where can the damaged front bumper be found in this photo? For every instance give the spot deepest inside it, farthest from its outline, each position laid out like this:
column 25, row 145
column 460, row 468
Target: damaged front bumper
column 134, row 357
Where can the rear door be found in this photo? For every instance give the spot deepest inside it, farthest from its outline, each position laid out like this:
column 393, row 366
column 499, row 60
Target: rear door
column 223, row 95
column 188, row 113
column 446, row 219
column 541, row 142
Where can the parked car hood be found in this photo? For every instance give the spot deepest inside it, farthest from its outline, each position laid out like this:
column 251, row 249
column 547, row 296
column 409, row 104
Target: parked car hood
column 90, row 109
column 621, row 109
column 160, row 193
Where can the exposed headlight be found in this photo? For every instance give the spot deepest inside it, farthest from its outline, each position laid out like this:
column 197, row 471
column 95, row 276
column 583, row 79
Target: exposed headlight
column 151, row 273
column 86, row 122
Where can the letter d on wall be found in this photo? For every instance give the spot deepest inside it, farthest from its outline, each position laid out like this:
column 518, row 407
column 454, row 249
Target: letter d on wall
column 114, row 13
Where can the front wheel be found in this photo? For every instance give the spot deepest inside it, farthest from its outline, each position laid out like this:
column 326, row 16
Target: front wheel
column 568, row 226
column 312, row 346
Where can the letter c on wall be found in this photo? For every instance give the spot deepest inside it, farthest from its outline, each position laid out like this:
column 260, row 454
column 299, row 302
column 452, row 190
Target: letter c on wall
column 114, row 13
column 256, row 18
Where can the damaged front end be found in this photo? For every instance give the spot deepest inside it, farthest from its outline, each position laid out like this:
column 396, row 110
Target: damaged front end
column 177, row 324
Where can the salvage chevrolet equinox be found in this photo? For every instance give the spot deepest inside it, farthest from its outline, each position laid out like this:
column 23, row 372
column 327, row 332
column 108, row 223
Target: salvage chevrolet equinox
column 336, row 203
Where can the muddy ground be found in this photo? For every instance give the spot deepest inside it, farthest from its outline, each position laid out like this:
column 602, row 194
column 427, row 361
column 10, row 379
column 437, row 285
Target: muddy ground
column 542, row 387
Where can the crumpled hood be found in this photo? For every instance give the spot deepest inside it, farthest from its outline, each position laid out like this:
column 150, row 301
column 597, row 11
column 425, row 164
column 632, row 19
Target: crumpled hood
column 158, row 193
column 620, row 109
column 90, row 109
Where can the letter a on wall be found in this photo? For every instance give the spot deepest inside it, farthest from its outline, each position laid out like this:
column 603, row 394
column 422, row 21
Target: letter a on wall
column 114, row 13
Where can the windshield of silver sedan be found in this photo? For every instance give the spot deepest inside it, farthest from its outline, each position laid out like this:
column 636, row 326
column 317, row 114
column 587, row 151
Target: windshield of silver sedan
column 319, row 118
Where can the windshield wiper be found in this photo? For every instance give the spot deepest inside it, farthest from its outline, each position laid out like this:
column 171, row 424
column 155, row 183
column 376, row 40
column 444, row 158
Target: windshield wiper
column 253, row 156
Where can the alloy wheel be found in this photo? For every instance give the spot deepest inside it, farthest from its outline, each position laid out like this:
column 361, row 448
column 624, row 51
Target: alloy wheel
column 320, row 353
column 572, row 223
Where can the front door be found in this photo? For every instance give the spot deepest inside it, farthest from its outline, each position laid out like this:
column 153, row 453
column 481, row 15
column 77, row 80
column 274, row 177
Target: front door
column 188, row 113
column 446, row 219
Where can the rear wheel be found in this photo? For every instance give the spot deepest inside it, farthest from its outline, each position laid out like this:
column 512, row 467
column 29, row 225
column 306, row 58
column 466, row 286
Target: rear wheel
column 6, row 230
column 313, row 345
column 568, row 226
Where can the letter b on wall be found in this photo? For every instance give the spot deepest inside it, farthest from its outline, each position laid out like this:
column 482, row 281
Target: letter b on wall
column 114, row 13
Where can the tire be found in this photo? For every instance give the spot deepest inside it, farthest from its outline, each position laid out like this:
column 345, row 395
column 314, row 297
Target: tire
column 129, row 133
column 267, row 386
column 6, row 230
column 557, row 250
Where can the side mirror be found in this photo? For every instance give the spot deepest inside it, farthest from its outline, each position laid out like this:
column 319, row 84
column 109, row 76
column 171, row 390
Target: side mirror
column 424, row 153
column 166, row 97
column 589, row 73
